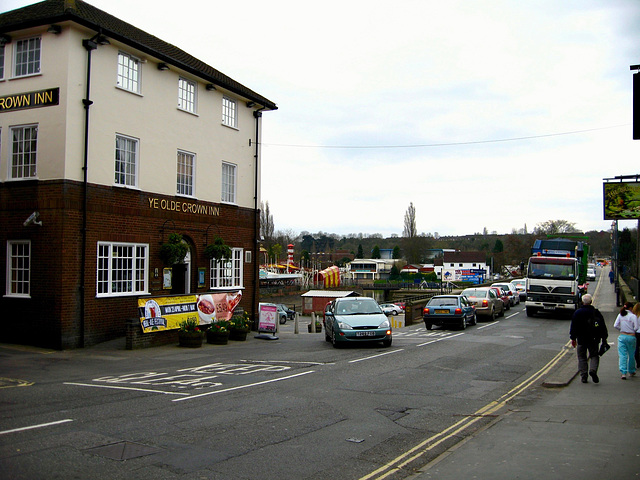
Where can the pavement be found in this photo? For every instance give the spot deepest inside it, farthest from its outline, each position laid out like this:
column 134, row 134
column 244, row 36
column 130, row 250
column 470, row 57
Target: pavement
column 571, row 430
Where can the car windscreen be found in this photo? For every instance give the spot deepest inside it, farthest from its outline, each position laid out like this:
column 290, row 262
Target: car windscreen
column 444, row 302
column 357, row 307
column 474, row 293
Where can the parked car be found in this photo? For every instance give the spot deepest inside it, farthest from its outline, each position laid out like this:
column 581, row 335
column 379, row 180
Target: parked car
column 402, row 305
column 390, row 309
column 510, row 288
column 486, row 301
column 356, row 320
column 521, row 288
column 285, row 313
column 502, row 294
column 443, row 310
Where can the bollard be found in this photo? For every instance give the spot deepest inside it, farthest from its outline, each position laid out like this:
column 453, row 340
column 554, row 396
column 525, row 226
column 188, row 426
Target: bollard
column 313, row 322
column 295, row 324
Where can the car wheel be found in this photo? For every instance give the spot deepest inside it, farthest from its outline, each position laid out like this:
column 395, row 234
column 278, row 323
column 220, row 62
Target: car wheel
column 493, row 314
column 386, row 343
column 474, row 319
column 283, row 319
column 463, row 325
column 501, row 314
column 428, row 325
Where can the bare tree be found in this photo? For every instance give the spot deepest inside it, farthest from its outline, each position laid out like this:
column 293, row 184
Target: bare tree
column 412, row 244
column 554, row 227
column 266, row 223
column 410, row 229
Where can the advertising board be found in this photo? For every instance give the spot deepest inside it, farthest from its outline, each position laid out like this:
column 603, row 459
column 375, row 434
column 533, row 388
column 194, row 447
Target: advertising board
column 621, row 200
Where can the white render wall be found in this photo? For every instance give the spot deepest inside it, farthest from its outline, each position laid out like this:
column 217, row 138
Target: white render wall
column 152, row 117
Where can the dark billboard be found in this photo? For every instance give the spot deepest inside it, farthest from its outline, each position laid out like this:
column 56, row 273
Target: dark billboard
column 621, row 200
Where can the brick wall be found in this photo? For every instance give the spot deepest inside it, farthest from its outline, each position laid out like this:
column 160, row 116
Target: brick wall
column 53, row 316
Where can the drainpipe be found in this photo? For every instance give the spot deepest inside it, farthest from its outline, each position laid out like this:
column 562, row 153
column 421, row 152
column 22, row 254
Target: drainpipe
column 89, row 45
column 256, row 223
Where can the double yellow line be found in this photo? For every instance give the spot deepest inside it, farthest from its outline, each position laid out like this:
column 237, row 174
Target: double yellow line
column 401, row 461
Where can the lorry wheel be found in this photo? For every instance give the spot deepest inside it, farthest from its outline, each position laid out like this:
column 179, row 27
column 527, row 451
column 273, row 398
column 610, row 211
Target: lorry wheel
column 531, row 311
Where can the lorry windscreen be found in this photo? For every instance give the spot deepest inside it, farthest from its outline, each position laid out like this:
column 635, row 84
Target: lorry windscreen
column 559, row 271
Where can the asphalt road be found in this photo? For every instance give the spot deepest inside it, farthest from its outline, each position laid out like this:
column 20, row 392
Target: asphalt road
column 264, row 409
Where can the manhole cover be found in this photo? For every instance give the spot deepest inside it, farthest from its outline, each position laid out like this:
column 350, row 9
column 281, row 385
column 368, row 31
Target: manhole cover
column 123, row 450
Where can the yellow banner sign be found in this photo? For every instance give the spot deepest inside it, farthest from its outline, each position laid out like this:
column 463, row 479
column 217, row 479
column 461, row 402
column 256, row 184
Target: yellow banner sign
column 167, row 313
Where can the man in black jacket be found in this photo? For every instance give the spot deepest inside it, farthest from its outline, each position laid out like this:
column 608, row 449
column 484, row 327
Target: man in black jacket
column 587, row 329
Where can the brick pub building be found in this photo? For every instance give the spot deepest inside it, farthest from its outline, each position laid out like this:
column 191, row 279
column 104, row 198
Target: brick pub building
column 110, row 141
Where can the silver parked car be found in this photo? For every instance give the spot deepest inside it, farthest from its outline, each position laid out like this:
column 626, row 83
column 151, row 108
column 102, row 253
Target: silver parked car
column 487, row 303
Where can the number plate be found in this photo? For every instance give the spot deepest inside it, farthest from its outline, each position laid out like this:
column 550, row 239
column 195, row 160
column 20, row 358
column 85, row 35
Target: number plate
column 440, row 310
column 365, row 334
column 549, row 307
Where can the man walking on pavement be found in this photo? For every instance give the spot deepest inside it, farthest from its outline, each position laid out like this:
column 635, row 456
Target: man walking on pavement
column 587, row 329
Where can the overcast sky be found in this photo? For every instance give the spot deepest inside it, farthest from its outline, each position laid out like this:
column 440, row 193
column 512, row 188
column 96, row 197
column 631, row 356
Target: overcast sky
column 488, row 114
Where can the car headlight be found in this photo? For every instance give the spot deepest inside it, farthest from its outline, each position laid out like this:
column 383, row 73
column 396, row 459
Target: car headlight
column 344, row 326
column 384, row 324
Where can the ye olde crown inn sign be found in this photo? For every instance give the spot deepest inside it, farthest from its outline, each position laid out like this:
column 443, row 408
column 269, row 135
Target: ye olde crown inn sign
column 185, row 207
column 23, row 101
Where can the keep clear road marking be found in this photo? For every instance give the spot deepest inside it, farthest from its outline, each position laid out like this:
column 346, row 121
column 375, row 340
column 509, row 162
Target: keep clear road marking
column 124, row 388
column 439, row 339
column 36, row 426
column 242, row 386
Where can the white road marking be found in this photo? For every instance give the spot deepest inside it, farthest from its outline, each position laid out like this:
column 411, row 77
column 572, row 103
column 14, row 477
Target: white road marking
column 31, row 427
column 376, row 356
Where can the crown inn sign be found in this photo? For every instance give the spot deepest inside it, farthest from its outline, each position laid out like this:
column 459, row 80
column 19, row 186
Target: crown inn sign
column 23, row 101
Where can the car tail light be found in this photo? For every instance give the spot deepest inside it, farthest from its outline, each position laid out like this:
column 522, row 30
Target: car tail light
column 485, row 303
column 458, row 311
column 425, row 311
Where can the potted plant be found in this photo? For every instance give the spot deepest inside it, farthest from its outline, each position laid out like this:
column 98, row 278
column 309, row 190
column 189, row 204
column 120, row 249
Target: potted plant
column 318, row 326
column 239, row 326
column 174, row 250
column 190, row 335
column 218, row 333
column 217, row 250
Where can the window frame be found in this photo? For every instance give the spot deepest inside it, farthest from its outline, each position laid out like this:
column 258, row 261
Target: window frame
column 36, row 62
column 107, row 265
column 11, row 267
column 124, row 79
column 191, row 176
column 227, row 273
column 186, row 104
column 229, row 112
column 123, row 172
column 2, row 58
column 229, row 190
column 33, row 155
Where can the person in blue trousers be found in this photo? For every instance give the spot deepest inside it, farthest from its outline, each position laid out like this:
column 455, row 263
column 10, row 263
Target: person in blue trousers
column 628, row 325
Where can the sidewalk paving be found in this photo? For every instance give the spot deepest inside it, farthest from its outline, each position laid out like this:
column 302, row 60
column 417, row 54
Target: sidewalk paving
column 584, row 431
